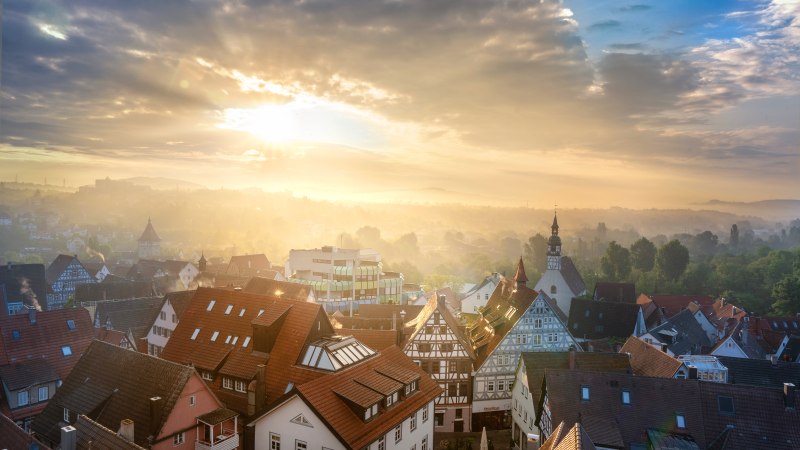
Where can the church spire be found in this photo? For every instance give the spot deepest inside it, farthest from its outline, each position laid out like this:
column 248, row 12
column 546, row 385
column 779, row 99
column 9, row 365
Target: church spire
column 554, row 247
column 520, row 277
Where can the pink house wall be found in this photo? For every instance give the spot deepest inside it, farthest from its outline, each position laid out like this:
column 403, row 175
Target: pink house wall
column 183, row 415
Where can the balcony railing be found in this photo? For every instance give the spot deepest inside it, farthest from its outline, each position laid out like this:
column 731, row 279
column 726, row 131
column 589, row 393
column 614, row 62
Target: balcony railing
column 222, row 442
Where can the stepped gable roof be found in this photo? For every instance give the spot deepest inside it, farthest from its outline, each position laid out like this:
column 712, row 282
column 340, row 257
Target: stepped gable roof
column 505, row 307
column 117, row 290
column 761, row 372
column 649, row 361
column 149, row 233
column 326, row 396
column 673, row 304
column 571, row 276
column 450, row 320
column 110, row 384
column 248, row 264
column 16, row 438
column 135, row 315
column 91, row 434
column 575, row 438
column 758, row 416
column 614, row 292
column 591, row 319
column 537, row 362
column 284, row 289
column 654, row 404
column 46, row 338
column 16, row 277
column 689, row 337
column 58, row 266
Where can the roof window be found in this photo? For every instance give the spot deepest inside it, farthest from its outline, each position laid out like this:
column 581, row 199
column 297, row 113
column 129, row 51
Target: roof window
column 214, row 336
column 66, row 350
column 246, row 342
column 680, row 421
column 725, row 405
column 228, row 310
column 241, row 313
column 585, row 393
column 15, row 335
column 196, row 332
column 70, row 324
column 211, row 305
column 626, row 397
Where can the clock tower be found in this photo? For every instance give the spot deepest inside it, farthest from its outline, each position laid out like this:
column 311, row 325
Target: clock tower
column 554, row 247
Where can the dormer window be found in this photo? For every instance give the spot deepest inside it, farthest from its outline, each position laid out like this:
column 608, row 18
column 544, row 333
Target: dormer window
column 371, row 412
column 211, row 305
column 391, row 399
column 410, row 388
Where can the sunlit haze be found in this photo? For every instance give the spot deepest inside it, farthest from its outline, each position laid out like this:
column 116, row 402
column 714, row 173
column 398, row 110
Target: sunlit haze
column 576, row 102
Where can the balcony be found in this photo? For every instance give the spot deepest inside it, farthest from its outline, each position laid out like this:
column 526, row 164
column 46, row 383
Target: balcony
column 217, row 430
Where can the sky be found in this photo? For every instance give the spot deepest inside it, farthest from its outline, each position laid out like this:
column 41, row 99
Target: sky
column 580, row 103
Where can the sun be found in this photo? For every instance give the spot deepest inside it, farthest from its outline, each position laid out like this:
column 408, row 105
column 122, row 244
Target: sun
column 271, row 123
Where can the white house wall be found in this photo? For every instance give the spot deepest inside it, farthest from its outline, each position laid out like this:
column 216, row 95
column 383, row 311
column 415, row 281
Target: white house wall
column 563, row 294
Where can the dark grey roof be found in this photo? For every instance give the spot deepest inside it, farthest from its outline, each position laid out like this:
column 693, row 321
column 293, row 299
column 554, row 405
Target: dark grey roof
column 761, row 372
column 95, row 292
column 136, row 315
column 572, row 276
column 13, row 278
column 615, row 292
column 592, row 319
column 27, row 373
column 120, row 380
column 15, row 438
column 57, row 267
column 92, row 435
column 179, row 300
column 689, row 337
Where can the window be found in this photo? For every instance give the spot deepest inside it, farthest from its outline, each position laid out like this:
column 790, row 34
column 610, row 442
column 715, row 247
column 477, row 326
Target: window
column 211, row 305
column 413, row 422
column 300, row 445
column 382, row 443
column 626, row 397
column 424, row 414
column 438, row 419
column 174, row 319
column 14, row 335
column 66, row 415
column 192, row 400
column 241, row 313
column 490, row 386
column 585, row 393
column 241, row 386
column 680, row 421
column 446, row 348
column 391, row 399
column 725, row 405
column 228, row 310
column 179, row 439
column 537, row 339
column 501, row 386
column 71, row 325
column 552, row 337
column 398, row 433
column 246, row 342
column 22, row 398
column 522, row 339
column 163, row 315
column 196, row 332
column 227, row 383
column 553, row 289
column 44, row 393
column 207, row 375
column 411, row 387
column 425, row 443
column 537, row 323
column 66, row 350
column 274, row 441
column 214, row 336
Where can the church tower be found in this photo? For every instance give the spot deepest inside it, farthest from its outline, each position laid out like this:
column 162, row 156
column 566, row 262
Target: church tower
column 149, row 243
column 554, row 247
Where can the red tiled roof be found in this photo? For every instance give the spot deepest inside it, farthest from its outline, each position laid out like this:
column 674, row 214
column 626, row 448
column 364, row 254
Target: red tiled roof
column 649, row 361
column 284, row 289
column 375, row 339
column 248, row 264
column 673, row 304
column 46, row 337
column 321, row 395
column 15, row 437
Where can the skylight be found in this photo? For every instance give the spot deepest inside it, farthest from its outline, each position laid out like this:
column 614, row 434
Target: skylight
column 196, row 332
column 246, row 342
column 70, row 324
column 680, row 421
column 241, row 313
column 211, row 305
column 66, row 350
column 214, row 336
column 228, row 310
column 15, row 335
column 335, row 353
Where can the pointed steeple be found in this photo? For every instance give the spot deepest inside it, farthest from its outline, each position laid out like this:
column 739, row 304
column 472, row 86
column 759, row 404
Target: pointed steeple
column 554, row 247
column 202, row 263
column 554, row 227
column 149, row 234
column 520, row 277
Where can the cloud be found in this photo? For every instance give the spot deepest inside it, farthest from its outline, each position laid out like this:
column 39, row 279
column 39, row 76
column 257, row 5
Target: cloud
column 605, row 25
column 635, row 8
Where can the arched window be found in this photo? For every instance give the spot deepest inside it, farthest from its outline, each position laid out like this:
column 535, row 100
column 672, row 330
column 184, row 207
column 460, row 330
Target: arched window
column 553, row 289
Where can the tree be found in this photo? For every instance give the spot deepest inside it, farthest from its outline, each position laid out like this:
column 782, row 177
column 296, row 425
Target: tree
column 704, row 244
column 643, row 255
column 672, row 260
column 616, row 264
column 734, row 241
column 787, row 295
column 535, row 252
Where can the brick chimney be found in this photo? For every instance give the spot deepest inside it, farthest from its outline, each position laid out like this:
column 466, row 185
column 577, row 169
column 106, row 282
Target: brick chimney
column 788, row 395
column 69, row 438
column 126, row 429
column 572, row 352
column 32, row 315
column 156, row 405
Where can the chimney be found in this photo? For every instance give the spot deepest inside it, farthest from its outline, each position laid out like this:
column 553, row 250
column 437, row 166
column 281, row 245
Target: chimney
column 788, row 395
column 126, row 429
column 256, row 394
column 32, row 315
column 572, row 357
column 156, row 405
column 441, row 301
column 664, row 347
column 692, row 372
column 69, row 438
column 773, row 359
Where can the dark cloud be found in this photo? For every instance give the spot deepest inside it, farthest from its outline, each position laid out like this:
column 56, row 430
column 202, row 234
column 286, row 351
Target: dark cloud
column 605, row 25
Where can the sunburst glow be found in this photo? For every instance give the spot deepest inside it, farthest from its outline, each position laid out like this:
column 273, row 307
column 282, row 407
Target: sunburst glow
column 271, row 123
